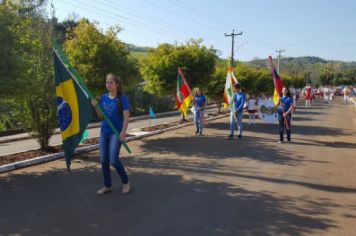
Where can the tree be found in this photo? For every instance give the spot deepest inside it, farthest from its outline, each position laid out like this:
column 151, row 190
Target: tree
column 95, row 54
column 264, row 82
column 326, row 75
column 247, row 76
column 159, row 68
column 34, row 83
column 9, row 62
column 216, row 85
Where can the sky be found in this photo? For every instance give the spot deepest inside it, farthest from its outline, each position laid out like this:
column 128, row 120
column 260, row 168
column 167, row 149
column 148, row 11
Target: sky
column 323, row 28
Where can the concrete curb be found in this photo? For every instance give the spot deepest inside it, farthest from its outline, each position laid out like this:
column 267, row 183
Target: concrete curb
column 56, row 156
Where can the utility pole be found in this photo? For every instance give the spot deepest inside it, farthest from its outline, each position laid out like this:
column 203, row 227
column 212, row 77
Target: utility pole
column 232, row 48
column 279, row 57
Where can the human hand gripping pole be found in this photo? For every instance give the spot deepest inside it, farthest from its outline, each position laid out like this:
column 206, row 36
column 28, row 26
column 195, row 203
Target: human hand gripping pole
column 118, row 135
column 90, row 95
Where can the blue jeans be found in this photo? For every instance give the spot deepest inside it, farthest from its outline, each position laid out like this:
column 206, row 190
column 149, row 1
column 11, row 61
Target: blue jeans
column 109, row 146
column 282, row 125
column 235, row 119
column 198, row 120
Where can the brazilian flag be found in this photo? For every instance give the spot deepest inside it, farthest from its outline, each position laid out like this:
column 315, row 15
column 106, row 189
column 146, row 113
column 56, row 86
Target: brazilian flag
column 73, row 105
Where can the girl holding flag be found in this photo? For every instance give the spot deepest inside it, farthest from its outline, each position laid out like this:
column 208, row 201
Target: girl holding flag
column 116, row 107
column 285, row 114
column 199, row 106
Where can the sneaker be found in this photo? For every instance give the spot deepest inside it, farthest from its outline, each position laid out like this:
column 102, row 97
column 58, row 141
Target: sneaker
column 280, row 141
column 230, row 136
column 240, row 136
column 126, row 188
column 196, row 132
column 200, row 134
column 103, row 190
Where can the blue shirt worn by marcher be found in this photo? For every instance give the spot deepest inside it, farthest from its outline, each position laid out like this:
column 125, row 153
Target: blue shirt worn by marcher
column 239, row 101
column 286, row 103
column 110, row 107
column 199, row 101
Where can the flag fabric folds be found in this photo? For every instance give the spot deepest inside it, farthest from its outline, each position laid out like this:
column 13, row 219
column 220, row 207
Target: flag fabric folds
column 278, row 83
column 73, row 107
column 183, row 96
column 228, row 91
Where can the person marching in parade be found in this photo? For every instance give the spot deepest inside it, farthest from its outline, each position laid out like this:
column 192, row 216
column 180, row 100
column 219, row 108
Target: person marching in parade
column 346, row 91
column 251, row 109
column 116, row 107
column 308, row 95
column 238, row 100
column 285, row 114
column 199, row 106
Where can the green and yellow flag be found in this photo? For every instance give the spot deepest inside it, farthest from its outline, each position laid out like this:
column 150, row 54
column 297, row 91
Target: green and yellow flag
column 73, row 106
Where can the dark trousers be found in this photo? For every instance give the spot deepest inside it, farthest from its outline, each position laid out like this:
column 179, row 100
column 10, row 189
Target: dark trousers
column 282, row 125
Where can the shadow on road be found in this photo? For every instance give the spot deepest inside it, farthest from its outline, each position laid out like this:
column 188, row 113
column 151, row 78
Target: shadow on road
column 218, row 147
column 273, row 129
column 58, row 202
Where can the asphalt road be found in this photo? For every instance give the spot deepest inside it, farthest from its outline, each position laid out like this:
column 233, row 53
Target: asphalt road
column 189, row 185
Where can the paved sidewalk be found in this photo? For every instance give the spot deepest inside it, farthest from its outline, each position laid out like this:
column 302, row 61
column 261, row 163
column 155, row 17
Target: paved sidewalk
column 189, row 185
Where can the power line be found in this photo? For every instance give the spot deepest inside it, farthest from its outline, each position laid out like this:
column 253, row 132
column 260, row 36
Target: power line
column 125, row 30
column 197, row 11
column 124, row 19
column 155, row 21
column 185, row 17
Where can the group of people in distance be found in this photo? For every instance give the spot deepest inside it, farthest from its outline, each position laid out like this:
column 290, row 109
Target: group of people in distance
column 328, row 93
column 238, row 101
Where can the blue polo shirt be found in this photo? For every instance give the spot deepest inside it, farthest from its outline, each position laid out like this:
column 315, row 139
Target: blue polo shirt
column 239, row 101
column 200, row 100
column 110, row 107
column 286, row 103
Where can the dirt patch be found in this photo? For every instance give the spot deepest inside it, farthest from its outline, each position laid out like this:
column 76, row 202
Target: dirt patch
column 165, row 126
column 22, row 156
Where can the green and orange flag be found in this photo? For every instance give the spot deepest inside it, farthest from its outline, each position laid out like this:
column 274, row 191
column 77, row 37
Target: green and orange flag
column 184, row 95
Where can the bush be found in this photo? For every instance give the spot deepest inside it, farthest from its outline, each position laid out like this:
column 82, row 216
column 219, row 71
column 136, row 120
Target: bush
column 141, row 100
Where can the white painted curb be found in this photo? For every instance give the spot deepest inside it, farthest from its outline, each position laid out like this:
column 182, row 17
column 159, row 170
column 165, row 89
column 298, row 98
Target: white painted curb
column 56, row 156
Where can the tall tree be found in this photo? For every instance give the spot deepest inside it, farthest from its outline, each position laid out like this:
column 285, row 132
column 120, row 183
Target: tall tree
column 33, row 86
column 159, row 68
column 9, row 62
column 94, row 54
